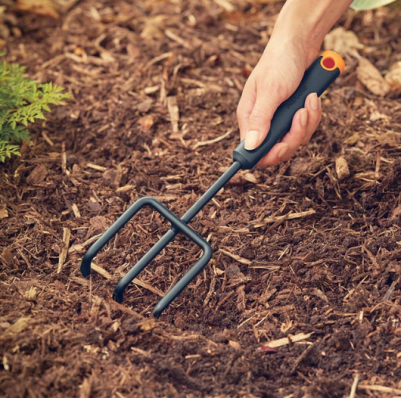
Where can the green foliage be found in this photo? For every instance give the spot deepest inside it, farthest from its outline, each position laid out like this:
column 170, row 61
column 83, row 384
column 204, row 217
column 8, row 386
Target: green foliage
column 22, row 101
column 360, row 5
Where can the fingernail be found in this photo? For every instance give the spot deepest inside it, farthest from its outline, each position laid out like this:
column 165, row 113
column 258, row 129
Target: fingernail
column 251, row 140
column 313, row 101
column 283, row 150
column 304, row 117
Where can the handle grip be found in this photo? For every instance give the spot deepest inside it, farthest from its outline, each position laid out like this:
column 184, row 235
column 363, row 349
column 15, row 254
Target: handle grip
column 317, row 79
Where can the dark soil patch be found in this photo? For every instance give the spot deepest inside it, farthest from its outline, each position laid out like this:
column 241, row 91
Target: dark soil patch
column 335, row 273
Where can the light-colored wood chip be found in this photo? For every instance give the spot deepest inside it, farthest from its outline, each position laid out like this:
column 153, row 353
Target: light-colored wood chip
column 213, row 141
column 342, row 168
column 236, row 257
column 101, row 271
column 137, row 281
column 288, row 340
column 18, row 326
column 177, row 39
column 80, row 246
column 380, row 388
column 174, row 112
column 3, row 213
column 125, row 188
column 96, row 167
column 289, row 216
column 149, row 287
column 75, row 210
column 64, row 250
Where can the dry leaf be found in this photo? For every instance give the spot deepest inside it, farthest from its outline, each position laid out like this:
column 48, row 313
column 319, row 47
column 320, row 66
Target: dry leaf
column 40, row 7
column 342, row 41
column 146, row 122
column 370, row 77
column 393, row 76
column 342, row 168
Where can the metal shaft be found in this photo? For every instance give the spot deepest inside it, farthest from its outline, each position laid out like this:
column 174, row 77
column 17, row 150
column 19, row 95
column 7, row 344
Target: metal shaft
column 170, row 235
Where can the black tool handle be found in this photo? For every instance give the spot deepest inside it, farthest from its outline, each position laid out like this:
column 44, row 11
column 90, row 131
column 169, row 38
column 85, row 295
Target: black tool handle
column 317, row 79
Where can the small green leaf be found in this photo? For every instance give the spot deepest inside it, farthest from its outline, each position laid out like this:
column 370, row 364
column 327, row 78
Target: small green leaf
column 360, row 5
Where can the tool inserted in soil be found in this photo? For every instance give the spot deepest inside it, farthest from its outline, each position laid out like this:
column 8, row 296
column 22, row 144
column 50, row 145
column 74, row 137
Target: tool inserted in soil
column 316, row 79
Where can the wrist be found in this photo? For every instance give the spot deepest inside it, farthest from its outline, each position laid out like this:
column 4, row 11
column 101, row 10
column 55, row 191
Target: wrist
column 305, row 23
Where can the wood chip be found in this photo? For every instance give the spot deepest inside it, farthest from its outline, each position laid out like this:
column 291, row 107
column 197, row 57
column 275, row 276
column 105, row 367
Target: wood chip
column 174, row 113
column 354, row 385
column 80, row 246
column 288, row 340
column 380, row 388
column 342, row 168
column 31, row 294
column 40, row 7
column 37, row 175
column 125, row 188
column 371, row 78
column 75, row 210
column 47, row 139
column 64, row 250
column 96, row 167
column 236, row 257
column 137, row 281
column 101, row 271
column 3, row 213
column 177, row 39
column 18, row 326
column 289, row 216
column 213, row 141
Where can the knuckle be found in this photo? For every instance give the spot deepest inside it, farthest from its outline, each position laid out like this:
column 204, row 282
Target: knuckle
column 257, row 115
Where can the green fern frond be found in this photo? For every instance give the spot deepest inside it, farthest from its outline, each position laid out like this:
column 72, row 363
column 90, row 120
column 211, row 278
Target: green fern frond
column 22, row 101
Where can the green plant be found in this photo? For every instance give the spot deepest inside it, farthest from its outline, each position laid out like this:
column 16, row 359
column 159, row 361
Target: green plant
column 360, row 5
column 21, row 102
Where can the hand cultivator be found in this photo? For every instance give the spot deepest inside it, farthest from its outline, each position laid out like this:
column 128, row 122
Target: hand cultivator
column 316, row 80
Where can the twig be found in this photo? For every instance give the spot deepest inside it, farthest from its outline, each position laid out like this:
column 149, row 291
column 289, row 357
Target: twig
column 64, row 250
column 289, row 216
column 81, row 246
column 380, row 388
column 354, row 385
column 174, row 113
column 224, row 299
column 300, row 358
column 96, row 167
column 236, row 257
column 288, row 340
column 137, row 281
column 209, row 142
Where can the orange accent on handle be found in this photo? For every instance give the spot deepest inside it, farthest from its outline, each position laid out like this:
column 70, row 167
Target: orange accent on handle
column 331, row 61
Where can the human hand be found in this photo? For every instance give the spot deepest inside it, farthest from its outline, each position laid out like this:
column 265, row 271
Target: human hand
column 274, row 79
column 294, row 45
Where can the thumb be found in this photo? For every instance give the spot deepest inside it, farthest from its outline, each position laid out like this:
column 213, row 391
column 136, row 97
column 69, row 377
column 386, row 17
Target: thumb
column 267, row 101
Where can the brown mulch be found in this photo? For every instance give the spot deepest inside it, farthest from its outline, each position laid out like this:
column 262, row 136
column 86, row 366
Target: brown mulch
column 334, row 273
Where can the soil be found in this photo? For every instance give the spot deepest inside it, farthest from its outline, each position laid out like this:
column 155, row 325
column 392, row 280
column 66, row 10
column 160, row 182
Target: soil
column 334, row 272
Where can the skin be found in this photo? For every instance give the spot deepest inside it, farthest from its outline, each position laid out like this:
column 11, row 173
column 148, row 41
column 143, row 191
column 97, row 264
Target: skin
column 295, row 43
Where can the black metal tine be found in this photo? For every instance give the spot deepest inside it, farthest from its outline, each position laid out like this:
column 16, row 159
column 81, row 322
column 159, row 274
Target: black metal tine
column 177, row 226
column 168, row 237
